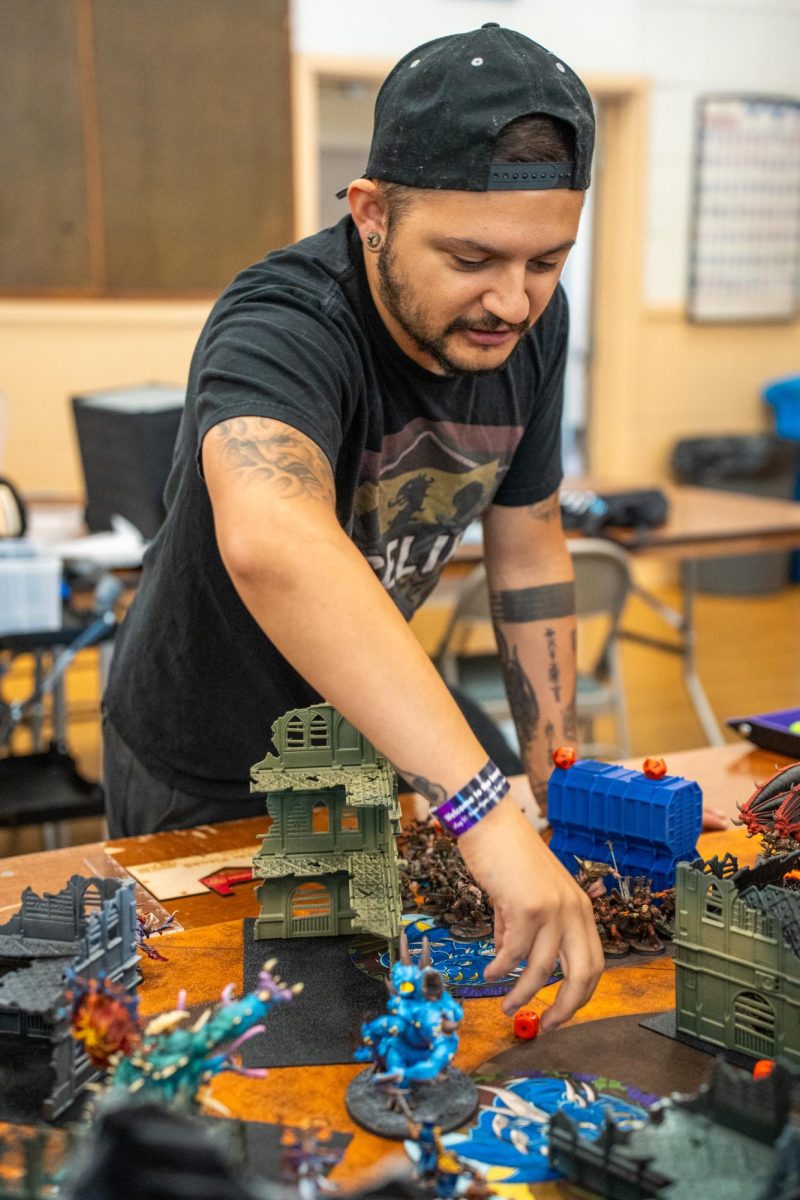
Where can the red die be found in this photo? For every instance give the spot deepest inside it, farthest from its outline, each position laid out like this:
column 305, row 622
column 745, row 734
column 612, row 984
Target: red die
column 526, row 1024
column 564, row 757
column 763, row 1068
column 654, row 768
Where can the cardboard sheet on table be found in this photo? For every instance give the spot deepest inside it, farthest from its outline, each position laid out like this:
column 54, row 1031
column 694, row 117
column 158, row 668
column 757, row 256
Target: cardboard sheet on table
column 322, row 1024
column 176, row 877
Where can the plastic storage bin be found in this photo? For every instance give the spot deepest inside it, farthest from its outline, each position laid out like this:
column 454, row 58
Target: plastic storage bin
column 784, row 396
column 30, row 589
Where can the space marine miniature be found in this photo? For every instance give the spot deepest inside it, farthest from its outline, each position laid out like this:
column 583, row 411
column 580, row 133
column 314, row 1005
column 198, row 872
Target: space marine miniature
column 606, row 914
column 410, row 1049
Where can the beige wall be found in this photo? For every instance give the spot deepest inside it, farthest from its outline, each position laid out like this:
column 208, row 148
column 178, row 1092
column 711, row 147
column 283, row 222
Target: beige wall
column 690, row 379
column 50, row 350
column 693, row 380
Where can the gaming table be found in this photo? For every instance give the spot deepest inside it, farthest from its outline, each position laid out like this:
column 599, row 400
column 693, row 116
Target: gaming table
column 206, row 954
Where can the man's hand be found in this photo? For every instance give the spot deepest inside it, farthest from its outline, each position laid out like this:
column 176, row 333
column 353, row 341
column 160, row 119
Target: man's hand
column 540, row 913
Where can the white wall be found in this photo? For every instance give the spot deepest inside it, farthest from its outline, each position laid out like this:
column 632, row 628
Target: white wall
column 686, row 47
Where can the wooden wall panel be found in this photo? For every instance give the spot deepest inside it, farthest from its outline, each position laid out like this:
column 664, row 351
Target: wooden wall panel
column 195, row 150
column 43, row 227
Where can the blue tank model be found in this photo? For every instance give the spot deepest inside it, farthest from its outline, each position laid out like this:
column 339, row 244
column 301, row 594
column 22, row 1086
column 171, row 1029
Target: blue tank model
column 652, row 824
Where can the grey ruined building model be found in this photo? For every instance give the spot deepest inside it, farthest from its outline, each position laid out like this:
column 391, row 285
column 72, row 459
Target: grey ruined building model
column 737, row 957
column 88, row 927
column 736, row 1138
column 329, row 859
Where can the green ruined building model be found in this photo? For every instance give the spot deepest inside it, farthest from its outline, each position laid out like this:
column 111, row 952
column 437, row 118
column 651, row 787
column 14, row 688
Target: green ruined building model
column 329, row 859
column 737, row 957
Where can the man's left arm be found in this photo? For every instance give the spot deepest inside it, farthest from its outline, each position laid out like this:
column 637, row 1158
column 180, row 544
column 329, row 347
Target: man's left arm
column 532, row 594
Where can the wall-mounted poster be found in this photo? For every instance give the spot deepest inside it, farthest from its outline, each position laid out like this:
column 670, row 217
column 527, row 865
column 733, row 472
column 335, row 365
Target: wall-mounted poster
column 745, row 247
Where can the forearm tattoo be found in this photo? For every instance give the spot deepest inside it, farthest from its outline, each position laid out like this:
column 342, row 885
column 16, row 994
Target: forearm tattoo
column 569, row 712
column 260, row 449
column 544, row 603
column 434, row 792
column 553, row 669
column 521, row 695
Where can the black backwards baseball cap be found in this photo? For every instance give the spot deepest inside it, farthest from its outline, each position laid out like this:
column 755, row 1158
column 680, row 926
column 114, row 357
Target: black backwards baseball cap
column 441, row 108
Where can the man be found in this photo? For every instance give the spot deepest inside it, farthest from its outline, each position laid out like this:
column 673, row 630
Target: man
column 354, row 402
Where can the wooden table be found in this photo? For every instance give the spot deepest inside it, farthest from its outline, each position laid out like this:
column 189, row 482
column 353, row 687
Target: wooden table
column 206, row 954
column 702, row 523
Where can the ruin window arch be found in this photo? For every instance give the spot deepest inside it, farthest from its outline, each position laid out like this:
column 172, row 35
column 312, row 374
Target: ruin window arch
column 713, row 908
column 309, row 900
column 318, row 736
column 754, row 1024
column 91, row 900
column 295, row 733
column 349, row 821
column 321, row 818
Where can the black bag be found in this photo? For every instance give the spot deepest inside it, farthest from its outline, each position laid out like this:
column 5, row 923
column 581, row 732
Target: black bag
column 590, row 512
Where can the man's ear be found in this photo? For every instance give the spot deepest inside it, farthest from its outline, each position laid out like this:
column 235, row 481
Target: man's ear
column 367, row 207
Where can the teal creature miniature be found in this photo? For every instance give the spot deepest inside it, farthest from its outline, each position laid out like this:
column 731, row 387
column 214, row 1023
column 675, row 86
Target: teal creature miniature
column 174, row 1064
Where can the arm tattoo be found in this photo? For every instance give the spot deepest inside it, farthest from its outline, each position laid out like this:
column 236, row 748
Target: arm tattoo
column 534, row 604
column 521, row 696
column 544, row 510
column 431, row 791
column 258, row 448
column 553, row 670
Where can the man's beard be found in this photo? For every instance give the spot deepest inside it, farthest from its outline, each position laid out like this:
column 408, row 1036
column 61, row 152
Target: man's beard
column 396, row 294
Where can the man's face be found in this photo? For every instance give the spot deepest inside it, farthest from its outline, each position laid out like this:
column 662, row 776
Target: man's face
column 462, row 276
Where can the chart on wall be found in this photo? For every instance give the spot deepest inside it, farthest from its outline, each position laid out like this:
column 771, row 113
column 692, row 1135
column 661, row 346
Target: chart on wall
column 745, row 248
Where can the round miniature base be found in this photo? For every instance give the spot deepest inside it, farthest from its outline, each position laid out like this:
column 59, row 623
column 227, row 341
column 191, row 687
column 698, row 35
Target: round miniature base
column 615, row 949
column 447, row 1102
column 647, row 948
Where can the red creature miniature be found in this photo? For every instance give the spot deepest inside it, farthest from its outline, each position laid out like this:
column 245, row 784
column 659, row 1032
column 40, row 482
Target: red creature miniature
column 759, row 811
column 104, row 1017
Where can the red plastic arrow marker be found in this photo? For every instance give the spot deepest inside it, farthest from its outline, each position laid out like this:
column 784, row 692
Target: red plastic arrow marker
column 222, row 881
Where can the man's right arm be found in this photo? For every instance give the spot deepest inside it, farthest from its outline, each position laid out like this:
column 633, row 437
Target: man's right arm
column 318, row 600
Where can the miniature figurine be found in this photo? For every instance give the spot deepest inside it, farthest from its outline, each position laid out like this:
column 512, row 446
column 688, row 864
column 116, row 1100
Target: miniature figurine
column 435, row 879
column 411, row 1048
column 104, row 1018
column 606, row 915
column 638, row 918
column 759, row 809
column 305, row 1159
column 175, row 1064
column 146, row 927
column 438, row 1169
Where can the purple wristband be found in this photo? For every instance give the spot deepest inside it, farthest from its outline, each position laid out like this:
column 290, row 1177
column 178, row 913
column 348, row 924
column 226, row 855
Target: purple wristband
column 473, row 801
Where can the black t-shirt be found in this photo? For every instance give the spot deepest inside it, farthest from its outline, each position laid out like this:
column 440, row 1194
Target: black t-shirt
column 195, row 685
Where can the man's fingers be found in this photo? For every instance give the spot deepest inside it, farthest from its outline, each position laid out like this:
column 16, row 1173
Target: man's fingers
column 714, row 819
column 583, row 965
column 541, row 962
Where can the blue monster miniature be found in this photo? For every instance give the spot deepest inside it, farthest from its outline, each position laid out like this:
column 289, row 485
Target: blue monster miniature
column 173, row 1064
column 417, row 1037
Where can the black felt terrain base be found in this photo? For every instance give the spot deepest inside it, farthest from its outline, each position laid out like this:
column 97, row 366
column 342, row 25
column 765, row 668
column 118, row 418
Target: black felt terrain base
column 612, row 1048
column 322, row 1025
column 664, row 1023
column 448, row 1102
